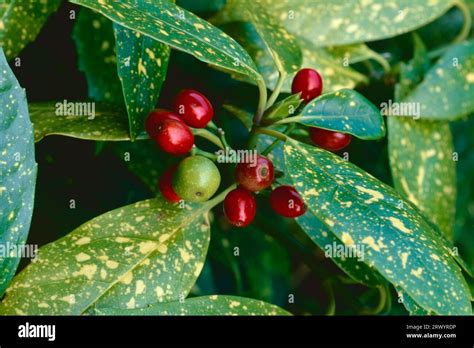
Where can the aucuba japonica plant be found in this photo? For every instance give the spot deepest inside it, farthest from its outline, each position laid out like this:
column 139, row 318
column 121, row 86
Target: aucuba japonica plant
column 249, row 157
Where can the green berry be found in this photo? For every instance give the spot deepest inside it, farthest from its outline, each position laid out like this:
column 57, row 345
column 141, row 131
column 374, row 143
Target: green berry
column 196, row 179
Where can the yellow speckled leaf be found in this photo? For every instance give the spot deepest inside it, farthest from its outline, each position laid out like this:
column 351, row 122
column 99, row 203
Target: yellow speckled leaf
column 180, row 29
column 204, row 305
column 341, row 22
column 423, row 169
column 17, row 171
column 108, row 123
column 142, row 65
column 447, row 91
column 21, row 21
column 144, row 253
column 363, row 212
column 336, row 75
column 343, row 111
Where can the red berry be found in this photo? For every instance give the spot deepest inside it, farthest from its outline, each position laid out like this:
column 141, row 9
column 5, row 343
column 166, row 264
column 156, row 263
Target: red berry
column 240, row 207
column 166, row 185
column 286, row 201
column 194, row 108
column 255, row 176
column 174, row 137
column 309, row 83
column 154, row 119
column 329, row 140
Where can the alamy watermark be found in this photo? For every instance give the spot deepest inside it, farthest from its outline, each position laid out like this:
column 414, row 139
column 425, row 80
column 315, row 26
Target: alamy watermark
column 343, row 251
column 402, row 109
column 66, row 108
column 11, row 250
column 237, row 156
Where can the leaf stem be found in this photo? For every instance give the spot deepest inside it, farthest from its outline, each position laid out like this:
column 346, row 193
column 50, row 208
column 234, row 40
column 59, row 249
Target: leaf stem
column 196, row 151
column 220, row 197
column 276, row 91
column 292, row 119
column 262, row 101
column 277, row 141
column 271, row 132
column 206, row 134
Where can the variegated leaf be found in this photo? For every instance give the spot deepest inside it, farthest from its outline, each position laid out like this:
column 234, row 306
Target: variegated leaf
column 142, row 64
column 21, row 21
column 108, row 123
column 397, row 241
column 180, row 29
column 447, row 91
column 203, row 305
column 131, row 257
column 341, row 22
column 345, row 111
column 17, row 172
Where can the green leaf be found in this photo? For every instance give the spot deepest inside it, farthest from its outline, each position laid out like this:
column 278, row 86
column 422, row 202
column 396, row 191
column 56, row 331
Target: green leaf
column 180, row 29
column 142, row 64
column 420, row 153
column 354, row 266
column 282, row 109
column 283, row 47
column 362, row 211
column 345, row 111
column 336, row 75
column 423, row 169
column 356, row 53
column 21, row 21
column 95, row 44
column 17, row 171
column 131, row 257
column 340, row 22
column 447, row 92
column 108, row 123
column 203, row 305
column 411, row 306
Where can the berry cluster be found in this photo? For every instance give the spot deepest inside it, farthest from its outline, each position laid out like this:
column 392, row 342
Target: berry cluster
column 196, row 178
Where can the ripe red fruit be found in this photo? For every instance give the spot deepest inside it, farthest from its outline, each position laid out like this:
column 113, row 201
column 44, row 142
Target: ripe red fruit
column 329, row 140
column 154, row 119
column 194, row 108
column 255, row 176
column 286, row 201
column 174, row 137
column 166, row 185
column 309, row 83
column 240, row 207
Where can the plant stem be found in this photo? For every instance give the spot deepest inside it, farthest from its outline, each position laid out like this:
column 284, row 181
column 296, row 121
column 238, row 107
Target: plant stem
column 196, row 151
column 271, row 132
column 276, row 91
column 222, row 138
column 381, row 60
column 213, row 126
column 466, row 28
column 220, row 197
column 204, row 133
column 262, row 102
column 277, row 141
column 292, row 119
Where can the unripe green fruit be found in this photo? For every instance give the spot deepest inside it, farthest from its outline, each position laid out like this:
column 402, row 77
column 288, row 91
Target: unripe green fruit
column 196, row 179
